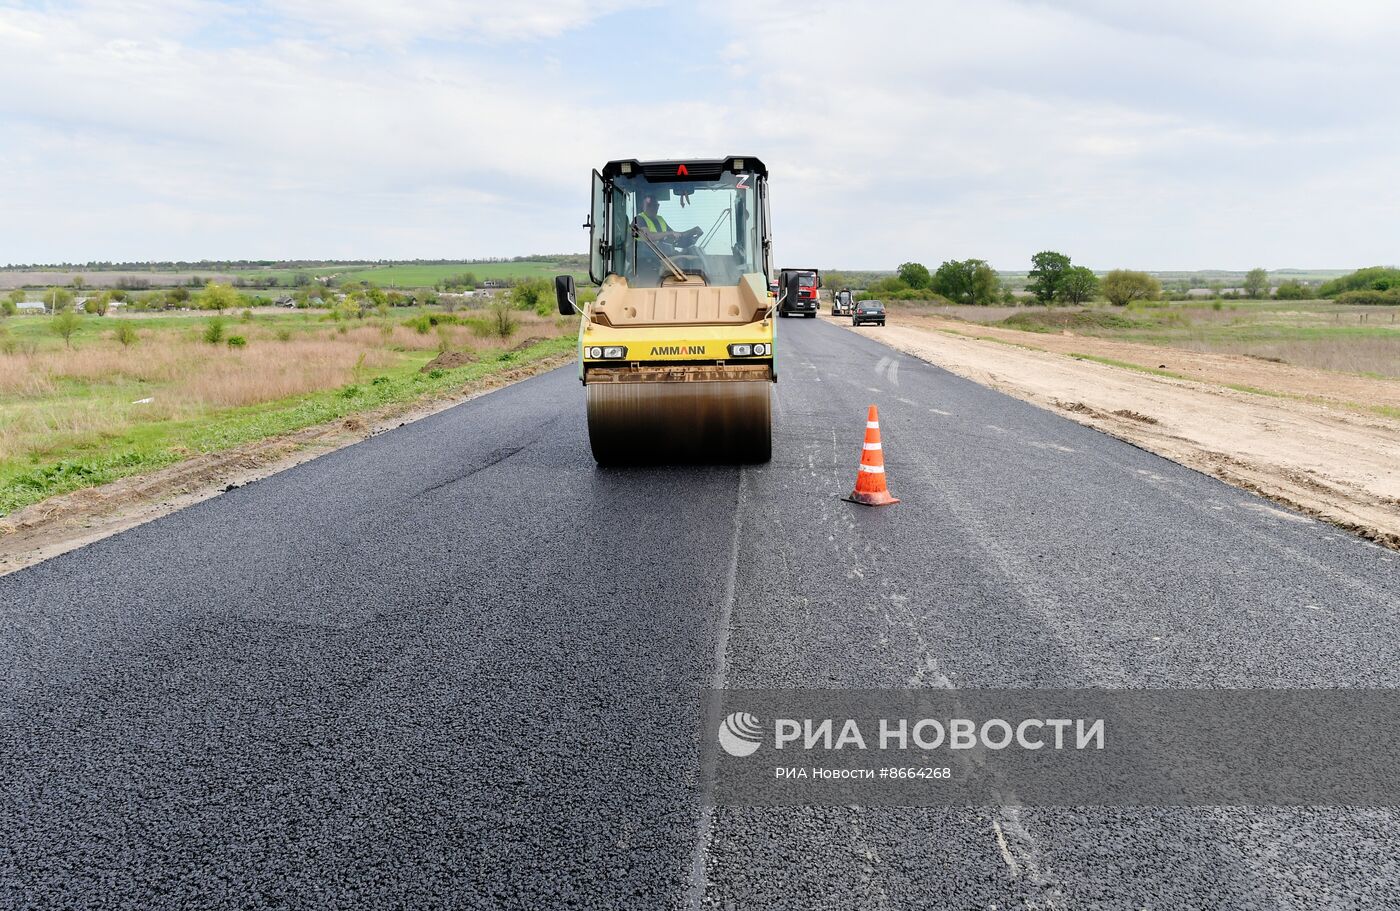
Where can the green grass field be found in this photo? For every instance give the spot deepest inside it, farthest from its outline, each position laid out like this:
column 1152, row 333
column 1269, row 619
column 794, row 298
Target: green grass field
column 78, row 417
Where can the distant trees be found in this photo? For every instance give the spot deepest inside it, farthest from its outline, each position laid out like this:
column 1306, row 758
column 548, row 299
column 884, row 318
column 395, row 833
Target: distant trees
column 8, row 307
column 462, row 281
column 58, row 299
column 1256, row 283
column 1292, row 290
column 1123, row 286
column 96, row 305
column 1047, row 276
column 1079, row 284
column 915, row 275
column 1375, row 278
column 969, row 281
column 219, row 297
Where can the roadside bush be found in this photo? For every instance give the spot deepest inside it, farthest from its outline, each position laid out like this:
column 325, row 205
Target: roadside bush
column 1123, row 286
column 1292, row 290
column 1370, row 297
column 503, row 322
column 906, row 294
column 1058, row 320
column 424, row 323
column 237, row 341
column 283, row 334
column 126, row 334
column 214, row 330
column 528, row 293
column 8, row 307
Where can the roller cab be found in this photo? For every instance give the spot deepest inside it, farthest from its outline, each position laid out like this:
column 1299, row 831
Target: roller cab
column 677, row 351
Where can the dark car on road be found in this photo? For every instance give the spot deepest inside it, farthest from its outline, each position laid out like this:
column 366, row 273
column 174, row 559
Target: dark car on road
column 868, row 312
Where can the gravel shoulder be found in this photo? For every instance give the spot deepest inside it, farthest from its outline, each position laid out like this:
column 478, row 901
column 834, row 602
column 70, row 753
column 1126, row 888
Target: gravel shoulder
column 1317, row 441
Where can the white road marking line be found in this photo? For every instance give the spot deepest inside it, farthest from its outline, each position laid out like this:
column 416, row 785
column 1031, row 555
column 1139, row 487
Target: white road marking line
column 995, row 427
column 1005, row 849
column 908, row 401
column 894, row 372
column 1276, row 513
column 946, row 414
column 699, row 876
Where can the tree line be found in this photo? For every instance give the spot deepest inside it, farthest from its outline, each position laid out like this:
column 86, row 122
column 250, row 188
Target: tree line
column 1055, row 279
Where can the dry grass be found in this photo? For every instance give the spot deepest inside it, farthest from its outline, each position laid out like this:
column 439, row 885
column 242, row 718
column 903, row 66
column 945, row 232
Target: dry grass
column 52, row 398
column 1318, row 335
column 1375, row 356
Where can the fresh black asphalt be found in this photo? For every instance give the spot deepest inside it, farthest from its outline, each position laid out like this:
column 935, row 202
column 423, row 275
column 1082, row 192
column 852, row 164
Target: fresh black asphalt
column 457, row 665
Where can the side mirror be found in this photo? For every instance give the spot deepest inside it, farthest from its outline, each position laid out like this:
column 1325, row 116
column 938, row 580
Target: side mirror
column 564, row 294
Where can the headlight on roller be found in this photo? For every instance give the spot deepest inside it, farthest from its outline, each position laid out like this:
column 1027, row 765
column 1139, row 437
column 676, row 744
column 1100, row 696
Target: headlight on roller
column 740, row 350
column 595, row 352
column 760, row 349
column 615, row 351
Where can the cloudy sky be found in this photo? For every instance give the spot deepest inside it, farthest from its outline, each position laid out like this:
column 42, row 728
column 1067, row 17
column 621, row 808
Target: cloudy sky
column 1195, row 134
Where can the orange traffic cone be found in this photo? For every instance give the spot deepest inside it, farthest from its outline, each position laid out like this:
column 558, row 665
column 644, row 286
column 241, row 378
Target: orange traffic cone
column 870, row 480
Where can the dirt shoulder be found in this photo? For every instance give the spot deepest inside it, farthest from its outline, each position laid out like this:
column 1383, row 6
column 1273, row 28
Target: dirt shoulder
column 1314, row 440
column 67, row 522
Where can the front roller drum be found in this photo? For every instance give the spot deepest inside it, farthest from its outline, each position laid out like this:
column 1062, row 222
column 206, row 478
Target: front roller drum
column 724, row 422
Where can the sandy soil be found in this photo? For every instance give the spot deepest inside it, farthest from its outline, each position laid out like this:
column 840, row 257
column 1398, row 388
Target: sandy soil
column 63, row 523
column 1314, row 443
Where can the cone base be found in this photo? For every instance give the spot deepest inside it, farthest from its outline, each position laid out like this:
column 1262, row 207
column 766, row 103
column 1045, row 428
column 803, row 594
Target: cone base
column 880, row 498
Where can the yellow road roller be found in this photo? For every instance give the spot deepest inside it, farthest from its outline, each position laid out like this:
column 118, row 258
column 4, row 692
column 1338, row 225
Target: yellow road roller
column 676, row 352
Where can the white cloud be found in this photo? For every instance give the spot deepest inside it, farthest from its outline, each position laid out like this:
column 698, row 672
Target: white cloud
column 1191, row 136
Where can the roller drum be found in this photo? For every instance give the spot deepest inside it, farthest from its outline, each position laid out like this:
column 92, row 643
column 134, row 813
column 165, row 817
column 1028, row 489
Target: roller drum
column 660, row 422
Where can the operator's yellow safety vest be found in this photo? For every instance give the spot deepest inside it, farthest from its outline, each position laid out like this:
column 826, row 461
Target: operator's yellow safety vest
column 651, row 224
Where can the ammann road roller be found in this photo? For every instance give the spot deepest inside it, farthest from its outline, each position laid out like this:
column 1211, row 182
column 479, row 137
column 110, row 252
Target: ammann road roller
column 676, row 352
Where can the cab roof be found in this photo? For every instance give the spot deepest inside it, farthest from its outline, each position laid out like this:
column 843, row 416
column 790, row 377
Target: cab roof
column 685, row 168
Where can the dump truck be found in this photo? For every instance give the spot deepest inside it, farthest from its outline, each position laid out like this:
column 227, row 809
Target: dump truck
column 806, row 301
column 676, row 353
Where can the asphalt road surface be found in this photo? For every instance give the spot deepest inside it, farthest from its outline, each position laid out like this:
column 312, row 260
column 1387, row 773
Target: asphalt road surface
column 457, row 665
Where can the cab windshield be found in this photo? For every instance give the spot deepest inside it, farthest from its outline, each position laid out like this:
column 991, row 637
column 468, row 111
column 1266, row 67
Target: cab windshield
column 706, row 228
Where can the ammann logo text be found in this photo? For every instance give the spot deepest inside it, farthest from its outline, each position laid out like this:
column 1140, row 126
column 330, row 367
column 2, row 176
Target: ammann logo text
column 677, row 349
